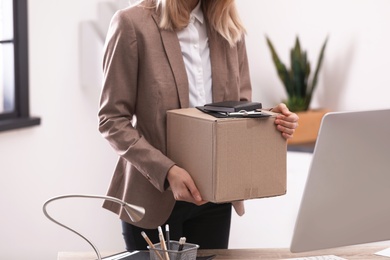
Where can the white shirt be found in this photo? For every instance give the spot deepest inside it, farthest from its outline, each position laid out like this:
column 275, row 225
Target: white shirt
column 196, row 55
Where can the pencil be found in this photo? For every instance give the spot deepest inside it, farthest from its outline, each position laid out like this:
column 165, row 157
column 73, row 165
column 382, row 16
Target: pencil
column 151, row 244
column 162, row 243
column 168, row 237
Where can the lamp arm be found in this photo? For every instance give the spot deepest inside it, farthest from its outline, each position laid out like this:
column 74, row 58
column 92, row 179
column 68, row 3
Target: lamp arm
column 113, row 199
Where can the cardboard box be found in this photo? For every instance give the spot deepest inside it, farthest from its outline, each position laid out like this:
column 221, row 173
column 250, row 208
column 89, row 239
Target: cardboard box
column 228, row 158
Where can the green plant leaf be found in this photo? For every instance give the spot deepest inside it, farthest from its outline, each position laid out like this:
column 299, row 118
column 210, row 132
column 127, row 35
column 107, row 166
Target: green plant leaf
column 313, row 85
column 295, row 104
column 298, row 69
column 296, row 79
column 281, row 69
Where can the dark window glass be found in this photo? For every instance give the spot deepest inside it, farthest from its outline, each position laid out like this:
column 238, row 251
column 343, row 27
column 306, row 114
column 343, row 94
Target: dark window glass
column 14, row 99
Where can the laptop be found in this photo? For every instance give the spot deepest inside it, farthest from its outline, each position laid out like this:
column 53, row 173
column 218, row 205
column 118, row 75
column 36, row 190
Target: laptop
column 346, row 200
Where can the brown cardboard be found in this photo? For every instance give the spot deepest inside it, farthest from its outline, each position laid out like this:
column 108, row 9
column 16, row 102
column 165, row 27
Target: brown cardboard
column 228, row 158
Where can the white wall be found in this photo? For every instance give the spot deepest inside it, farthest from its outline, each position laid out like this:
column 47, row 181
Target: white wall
column 66, row 154
column 357, row 56
column 353, row 77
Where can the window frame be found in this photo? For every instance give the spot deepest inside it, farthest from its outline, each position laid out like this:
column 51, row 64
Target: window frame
column 20, row 117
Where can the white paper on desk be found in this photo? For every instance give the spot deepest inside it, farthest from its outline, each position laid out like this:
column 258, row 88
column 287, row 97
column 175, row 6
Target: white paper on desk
column 384, row 252
column 324, row 257
column 120, row 256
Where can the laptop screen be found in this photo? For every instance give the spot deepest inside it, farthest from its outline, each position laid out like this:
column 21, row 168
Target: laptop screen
column 346, row 200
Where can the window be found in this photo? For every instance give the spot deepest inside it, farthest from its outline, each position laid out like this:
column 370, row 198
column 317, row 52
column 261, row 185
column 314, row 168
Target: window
column 14, row 95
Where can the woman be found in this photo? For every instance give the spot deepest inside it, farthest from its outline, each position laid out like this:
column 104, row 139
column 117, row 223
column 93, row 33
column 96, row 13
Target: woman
column 162, row 55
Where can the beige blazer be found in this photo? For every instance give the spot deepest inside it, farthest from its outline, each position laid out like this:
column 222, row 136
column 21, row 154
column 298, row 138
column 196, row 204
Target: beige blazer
column 144, row 76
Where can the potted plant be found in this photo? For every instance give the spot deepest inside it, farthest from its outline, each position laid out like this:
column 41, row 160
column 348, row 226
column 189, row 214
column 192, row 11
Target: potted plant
column 300, row 88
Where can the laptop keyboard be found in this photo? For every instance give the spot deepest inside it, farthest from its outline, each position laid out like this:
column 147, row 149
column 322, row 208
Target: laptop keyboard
column 320, row 257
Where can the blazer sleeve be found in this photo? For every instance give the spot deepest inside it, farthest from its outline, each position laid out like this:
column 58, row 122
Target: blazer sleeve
column 118, row 103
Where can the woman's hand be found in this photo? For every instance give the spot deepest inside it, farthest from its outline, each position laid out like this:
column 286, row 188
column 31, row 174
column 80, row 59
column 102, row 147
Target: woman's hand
column 286, row 122
column 183, row 187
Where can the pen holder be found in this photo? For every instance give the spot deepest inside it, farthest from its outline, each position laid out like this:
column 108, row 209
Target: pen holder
column 188, row 252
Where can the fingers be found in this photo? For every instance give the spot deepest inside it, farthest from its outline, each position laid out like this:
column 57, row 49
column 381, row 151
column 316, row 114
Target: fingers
column 188, row 193
column 287, row 133
column 183, row 187
column 290, row 122
column 282, row 108
column 286, row 126
column 193, row 190
column 286, row 122
column 194, row 194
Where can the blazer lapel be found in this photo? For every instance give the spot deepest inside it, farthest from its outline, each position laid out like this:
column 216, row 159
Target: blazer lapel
column 175, row 58
column 218, row 65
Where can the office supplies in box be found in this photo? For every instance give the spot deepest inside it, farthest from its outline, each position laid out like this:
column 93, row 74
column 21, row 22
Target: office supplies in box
column 228, row 158
column 232, row 106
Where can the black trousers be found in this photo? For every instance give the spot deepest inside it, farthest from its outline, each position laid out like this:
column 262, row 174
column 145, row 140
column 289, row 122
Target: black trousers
column 207, row 226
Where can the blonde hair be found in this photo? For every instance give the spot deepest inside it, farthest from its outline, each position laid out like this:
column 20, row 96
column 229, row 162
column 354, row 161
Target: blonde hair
column 221, row 15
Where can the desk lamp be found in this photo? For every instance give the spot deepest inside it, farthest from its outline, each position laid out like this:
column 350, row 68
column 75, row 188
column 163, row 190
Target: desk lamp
column 135, row 213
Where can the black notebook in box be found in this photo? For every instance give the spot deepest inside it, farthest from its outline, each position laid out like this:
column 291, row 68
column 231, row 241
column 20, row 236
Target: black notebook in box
column 232, row 106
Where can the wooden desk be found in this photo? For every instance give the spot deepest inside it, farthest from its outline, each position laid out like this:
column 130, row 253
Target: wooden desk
column 365, row 252
column 352, row 252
